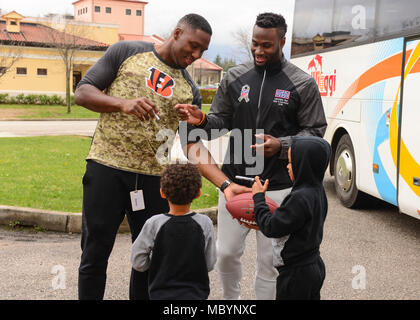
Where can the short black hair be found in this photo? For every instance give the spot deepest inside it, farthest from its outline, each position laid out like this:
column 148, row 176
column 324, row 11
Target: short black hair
column 272, row 20
column 181, row 183
column 196, row 22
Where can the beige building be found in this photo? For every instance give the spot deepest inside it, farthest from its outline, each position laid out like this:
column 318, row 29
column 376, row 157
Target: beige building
column 33, row 42
column 36, row 50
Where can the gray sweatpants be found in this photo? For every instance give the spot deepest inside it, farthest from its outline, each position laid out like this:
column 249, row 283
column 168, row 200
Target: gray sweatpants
column 230, row 244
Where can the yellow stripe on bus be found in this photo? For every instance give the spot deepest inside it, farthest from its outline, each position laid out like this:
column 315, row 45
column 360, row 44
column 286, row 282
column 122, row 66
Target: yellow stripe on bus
column 410, row 168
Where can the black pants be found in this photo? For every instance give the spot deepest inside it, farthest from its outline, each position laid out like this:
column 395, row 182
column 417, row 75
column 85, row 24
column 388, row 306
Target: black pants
column 106, row 200
column 301, row 282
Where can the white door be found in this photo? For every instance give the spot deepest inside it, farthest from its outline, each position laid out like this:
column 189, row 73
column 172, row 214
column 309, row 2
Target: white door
column 409, row 143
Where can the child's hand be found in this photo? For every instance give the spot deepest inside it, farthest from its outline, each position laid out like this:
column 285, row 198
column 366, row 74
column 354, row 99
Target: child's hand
column 257, row 187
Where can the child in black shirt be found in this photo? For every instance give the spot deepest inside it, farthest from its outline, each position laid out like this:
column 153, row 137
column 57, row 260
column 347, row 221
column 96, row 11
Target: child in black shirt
column 297, row 225
column 178, row 248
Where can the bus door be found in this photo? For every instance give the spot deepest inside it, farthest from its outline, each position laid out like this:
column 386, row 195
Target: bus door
column 409, row 132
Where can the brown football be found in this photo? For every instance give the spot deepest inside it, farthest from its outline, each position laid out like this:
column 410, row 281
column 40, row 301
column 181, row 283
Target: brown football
column 241, row 208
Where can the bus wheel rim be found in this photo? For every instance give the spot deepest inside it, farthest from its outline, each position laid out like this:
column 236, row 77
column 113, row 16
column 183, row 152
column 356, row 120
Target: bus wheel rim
column 345, row 170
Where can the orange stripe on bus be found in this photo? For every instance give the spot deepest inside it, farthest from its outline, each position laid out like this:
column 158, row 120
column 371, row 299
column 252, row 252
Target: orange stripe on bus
column 385, row 69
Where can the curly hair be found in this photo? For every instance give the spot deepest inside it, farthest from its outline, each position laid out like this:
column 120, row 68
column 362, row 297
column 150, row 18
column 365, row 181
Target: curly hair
column 181, row 183
column 272, row 20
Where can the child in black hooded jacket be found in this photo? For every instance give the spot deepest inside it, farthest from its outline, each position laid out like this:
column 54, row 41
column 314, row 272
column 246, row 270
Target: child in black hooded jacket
column 297, row 225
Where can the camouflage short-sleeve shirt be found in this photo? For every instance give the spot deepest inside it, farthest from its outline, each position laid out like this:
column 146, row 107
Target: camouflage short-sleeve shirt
column 132, row 70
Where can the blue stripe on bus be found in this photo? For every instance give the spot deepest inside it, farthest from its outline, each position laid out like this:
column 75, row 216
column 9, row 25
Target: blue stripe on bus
column 386, row 189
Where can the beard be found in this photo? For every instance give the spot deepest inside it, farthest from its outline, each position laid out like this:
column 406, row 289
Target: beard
column 273, row 58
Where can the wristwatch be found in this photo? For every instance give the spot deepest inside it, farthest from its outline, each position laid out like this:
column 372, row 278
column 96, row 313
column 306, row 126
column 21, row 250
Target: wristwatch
column 225, row 184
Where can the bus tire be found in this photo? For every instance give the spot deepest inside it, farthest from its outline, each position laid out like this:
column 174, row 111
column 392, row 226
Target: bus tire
column 345, row 174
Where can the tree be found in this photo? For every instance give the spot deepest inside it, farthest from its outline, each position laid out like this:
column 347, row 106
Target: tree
column 68, row 39
column 10, row 56
column 218, row 60
column 226, row 63
column 242, row 38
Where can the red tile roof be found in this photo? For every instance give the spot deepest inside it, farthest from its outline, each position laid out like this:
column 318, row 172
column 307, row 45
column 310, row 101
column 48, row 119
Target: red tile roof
column 130, row 37
column 205, row 64
column 138, row 1
column 34, row 34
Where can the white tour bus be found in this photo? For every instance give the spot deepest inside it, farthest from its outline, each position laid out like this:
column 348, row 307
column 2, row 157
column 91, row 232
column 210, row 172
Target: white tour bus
column 364, row 56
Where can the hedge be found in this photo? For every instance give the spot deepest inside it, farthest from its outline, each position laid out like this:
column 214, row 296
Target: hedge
column 37, row 99
column 43, row 99
column 207, row 95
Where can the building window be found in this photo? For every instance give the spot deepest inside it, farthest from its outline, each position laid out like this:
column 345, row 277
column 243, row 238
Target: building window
column 97, row 9
column 41, row 72
column 21, row 71
column 128, row 12
column 138, row 12
column 108, row 10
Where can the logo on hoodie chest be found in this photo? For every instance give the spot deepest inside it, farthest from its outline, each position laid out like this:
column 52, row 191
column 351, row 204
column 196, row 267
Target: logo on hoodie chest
column 281, row 97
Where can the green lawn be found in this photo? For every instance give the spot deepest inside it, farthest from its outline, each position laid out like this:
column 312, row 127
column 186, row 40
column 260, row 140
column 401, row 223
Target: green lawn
column 205, row 108
column 46, row 173
column 21, row 111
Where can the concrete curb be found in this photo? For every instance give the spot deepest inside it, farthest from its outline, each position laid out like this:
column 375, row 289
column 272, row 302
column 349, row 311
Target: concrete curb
column 63, row 221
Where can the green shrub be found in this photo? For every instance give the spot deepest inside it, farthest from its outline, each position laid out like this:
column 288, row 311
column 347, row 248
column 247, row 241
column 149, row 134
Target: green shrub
column 43, row 99
column 57, row 100
column 20, row 98
column 38, row 99
column 4, row 97
column 207, row 95
column 12, row 100
column 31, row 99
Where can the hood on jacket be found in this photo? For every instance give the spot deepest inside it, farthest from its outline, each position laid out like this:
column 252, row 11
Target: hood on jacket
column 310, row 157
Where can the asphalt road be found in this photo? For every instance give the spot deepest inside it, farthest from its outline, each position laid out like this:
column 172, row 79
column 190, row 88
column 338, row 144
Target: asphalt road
column 369, row 254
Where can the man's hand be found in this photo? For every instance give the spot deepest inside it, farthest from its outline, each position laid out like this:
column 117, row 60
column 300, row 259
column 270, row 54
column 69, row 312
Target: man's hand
column 234, row 189
column 269, row 148
column 142, row 108
column 257, row 187
column 189, row 113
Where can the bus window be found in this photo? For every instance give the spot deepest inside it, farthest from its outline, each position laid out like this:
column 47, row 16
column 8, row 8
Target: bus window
column 396, row 17
column 311, row 19
column 330, row 23
column 353, row 21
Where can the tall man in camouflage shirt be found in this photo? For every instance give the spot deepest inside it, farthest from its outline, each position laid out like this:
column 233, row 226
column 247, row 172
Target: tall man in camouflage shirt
column 135, row 87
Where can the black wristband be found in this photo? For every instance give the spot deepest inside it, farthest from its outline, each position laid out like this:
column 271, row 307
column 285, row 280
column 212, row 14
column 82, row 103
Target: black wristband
column 224, row 185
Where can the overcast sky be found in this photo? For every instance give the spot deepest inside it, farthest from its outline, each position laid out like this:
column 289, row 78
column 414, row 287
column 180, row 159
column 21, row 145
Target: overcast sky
column 225, row 16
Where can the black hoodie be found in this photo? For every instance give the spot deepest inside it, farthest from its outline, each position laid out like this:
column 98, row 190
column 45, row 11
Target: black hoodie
column 300, row 218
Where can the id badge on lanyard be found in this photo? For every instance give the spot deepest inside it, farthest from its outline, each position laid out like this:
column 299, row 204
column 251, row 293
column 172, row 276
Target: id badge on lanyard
column 137, row 199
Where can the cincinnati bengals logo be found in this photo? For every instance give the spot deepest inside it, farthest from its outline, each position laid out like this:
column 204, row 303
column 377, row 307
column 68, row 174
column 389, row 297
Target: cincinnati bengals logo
column 160, row 83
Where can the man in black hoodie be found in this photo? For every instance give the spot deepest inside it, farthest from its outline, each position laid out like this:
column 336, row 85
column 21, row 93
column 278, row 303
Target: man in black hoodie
column 298, row 222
